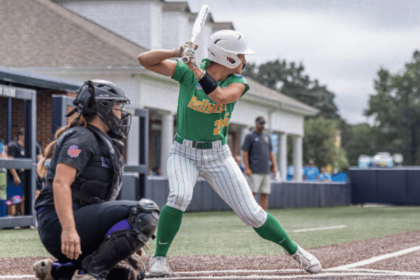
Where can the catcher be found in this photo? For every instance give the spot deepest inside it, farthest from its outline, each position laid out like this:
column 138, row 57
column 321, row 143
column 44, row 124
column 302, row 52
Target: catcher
column 80, row 223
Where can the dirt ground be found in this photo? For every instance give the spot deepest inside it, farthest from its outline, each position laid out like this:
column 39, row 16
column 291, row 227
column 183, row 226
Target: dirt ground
column 281, row 267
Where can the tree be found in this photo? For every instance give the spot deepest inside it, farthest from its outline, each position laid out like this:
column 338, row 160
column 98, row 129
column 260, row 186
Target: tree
column 362, row 140
column 395, row 109
column 319, row 143
column 320, row 131
column 289, row 78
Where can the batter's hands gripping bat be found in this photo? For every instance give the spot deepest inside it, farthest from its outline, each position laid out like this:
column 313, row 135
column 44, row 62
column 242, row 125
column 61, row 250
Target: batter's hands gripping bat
column 198, row 25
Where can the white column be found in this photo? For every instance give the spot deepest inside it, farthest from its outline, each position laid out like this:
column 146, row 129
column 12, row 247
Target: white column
column 167, row 137
column 133, row 142
column 244, row 131
column 282, row 156
column 297, row 157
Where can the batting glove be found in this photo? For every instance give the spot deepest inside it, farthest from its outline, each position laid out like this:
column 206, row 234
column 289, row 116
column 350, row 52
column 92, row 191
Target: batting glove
column 184, row 48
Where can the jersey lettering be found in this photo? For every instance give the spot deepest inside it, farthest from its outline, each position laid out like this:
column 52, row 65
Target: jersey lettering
column 205, row 106
column 220, row 124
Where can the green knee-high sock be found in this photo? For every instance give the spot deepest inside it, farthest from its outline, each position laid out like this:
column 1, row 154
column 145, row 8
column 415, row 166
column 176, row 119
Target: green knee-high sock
column 272, row 231
column 168, row 226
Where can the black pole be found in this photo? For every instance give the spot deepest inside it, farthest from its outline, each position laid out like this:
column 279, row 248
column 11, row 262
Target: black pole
column 408, row 130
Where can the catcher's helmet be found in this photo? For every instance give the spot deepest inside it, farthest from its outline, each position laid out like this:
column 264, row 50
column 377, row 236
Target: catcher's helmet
column 226, row 44
column 105, row 94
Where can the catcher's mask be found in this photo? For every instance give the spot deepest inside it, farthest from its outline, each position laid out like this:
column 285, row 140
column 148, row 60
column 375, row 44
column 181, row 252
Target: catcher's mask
column 105, row 95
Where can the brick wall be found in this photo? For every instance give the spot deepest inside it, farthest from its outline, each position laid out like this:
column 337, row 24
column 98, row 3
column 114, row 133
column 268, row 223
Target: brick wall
column 43, row 116
column 3, row 116
column 17, row 117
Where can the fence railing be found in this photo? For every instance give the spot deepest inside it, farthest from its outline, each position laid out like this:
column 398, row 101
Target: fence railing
column 283, row 195
column 399, row 186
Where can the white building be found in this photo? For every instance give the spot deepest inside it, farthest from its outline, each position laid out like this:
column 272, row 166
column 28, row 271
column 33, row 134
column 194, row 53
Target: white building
column 86, row 39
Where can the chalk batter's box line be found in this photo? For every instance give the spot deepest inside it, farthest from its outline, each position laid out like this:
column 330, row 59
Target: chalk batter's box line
column 299, row 276
column 348, row 272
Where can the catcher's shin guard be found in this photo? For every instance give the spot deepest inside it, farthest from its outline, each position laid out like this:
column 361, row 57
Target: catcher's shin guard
column 121, row 244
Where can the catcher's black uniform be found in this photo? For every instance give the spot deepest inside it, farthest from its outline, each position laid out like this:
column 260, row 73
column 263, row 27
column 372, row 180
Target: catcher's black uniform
column 110, row 231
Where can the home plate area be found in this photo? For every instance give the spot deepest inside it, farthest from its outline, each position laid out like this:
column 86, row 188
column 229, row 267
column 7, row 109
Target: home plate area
column 390, row 257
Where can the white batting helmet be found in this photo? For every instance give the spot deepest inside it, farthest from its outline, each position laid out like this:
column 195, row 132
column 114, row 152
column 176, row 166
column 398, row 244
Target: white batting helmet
column 226, row 44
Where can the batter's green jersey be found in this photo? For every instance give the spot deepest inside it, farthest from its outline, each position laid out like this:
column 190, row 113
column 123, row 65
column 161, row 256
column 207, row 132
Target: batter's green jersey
column 198, row 117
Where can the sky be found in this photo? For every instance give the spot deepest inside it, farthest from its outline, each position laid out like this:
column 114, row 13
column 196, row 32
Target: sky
column 342, row 43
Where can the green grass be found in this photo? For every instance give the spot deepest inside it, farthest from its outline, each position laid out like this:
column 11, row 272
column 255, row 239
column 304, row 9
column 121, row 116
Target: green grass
column 222, row 233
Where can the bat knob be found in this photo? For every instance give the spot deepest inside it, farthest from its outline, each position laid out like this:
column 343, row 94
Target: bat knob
column 185, row 59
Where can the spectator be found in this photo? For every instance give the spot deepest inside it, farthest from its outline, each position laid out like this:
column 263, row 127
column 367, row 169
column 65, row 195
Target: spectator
column 3, row 182
column 311, row 172
column 156, row 171
column 325, row 176
column 290, row 172
column 238, row 161
column 16, row 178
column 257, row 154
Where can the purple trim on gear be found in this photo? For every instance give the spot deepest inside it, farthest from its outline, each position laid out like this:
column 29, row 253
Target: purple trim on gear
column 39, row 210
column 121, row 225
column 57, row 264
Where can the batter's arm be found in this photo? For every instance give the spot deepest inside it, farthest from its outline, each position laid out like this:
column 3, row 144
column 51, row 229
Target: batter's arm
column 226, row 95
column 229, row 94
column 157, row 61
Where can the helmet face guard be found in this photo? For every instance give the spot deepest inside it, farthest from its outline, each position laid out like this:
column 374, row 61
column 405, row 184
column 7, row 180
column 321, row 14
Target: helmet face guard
column 105, row 110
column 104, row 95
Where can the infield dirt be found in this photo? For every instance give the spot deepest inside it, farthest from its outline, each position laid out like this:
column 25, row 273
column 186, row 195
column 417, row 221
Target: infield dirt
column 330, row 256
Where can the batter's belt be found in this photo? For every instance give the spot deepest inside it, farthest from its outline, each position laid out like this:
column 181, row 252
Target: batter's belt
column 199, row 144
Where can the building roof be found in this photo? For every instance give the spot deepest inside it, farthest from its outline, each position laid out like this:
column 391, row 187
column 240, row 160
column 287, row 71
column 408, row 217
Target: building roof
column 32, row 79
column 223, row 25
column 271, row 95
column 42, row 33
column 176, row 7
column 209, row 18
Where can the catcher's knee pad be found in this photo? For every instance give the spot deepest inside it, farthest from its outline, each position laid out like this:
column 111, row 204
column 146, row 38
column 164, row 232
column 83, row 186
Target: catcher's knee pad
column 121, row 244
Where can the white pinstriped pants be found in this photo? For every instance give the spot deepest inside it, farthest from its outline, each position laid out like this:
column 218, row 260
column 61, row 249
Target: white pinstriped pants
column 217, row 166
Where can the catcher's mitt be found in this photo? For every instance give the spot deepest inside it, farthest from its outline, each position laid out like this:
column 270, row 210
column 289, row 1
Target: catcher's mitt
column 131, row 268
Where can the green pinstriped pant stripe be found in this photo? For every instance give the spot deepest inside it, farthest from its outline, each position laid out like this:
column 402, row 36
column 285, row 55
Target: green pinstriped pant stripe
column 217, row 166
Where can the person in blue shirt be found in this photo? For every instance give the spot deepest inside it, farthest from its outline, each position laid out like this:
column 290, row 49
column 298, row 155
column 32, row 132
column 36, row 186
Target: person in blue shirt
column 325, row 176
column 311, row 172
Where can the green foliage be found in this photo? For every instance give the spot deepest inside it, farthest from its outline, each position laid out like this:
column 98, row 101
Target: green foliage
column 290, row 79
column 362, row 141
column 397, row 100
column 319, row 143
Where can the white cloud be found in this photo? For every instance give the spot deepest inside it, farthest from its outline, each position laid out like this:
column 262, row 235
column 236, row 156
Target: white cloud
column 342, row 54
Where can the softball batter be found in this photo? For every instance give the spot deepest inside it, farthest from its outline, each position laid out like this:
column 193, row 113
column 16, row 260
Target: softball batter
column 207, row 96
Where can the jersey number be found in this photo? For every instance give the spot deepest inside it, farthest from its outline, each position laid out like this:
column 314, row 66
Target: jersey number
column 220, row 124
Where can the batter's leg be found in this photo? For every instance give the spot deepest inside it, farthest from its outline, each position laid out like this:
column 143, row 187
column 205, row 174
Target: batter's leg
column 228, row 181
column 182, row 175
